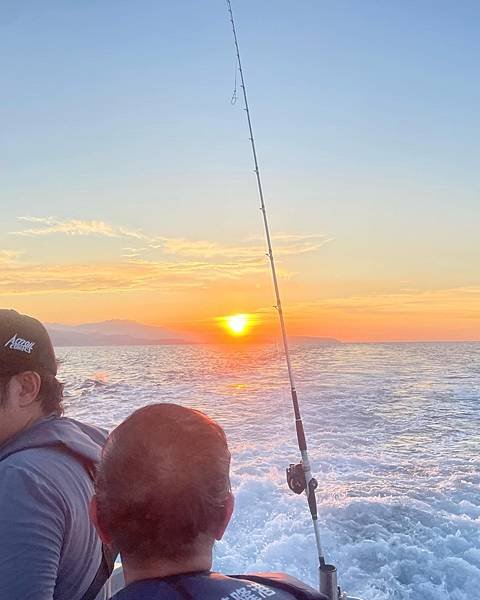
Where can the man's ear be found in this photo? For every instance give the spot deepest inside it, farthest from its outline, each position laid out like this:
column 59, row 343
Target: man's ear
column 102, row 533
column 228, row 511
column 28, row 384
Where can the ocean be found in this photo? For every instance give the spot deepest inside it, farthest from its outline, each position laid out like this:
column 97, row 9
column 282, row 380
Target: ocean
column 393, row 435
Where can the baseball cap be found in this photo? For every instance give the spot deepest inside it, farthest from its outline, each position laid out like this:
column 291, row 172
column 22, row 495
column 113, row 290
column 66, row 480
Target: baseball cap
column 24, row 345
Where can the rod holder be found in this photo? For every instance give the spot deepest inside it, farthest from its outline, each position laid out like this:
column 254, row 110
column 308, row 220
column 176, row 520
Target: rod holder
column 328, row 581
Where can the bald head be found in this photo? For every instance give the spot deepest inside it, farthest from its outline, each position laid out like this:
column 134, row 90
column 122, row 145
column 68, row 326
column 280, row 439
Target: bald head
column 163, row 482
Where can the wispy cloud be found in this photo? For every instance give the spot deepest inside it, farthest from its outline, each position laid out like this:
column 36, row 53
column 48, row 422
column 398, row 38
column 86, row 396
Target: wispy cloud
column 21, row 277
column 75, row 227
column 286, row 244
column 9, row 256
column 106, row 277
column 157, row 262
column 132, row 253
column 460, row 302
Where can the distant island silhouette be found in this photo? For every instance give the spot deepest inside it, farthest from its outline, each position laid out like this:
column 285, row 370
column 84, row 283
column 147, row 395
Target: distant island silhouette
column 116, row 332
column 122, row 332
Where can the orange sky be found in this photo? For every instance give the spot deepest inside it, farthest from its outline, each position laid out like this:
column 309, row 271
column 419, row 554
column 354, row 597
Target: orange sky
column 189, row 293
column 127, row 186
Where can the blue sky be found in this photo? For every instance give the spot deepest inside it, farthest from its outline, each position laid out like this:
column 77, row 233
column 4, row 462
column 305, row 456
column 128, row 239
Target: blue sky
column 365, row 113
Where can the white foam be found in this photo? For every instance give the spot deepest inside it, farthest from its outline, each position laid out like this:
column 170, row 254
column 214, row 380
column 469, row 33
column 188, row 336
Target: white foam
column 393, row 438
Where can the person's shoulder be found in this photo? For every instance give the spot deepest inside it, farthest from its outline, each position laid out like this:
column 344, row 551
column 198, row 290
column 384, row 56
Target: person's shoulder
column 94, row 432
column 46, row 471
column 25, row 483
column 215, row 585
column 283, row 582
column 24, row 459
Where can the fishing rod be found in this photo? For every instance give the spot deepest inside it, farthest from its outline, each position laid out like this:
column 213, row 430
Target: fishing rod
column 299, row 476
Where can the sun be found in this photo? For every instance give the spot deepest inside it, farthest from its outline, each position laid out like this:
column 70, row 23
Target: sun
column 237, row 324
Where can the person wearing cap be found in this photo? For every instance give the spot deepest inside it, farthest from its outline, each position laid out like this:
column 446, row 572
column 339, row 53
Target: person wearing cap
column 162, row 497
column 48, row 547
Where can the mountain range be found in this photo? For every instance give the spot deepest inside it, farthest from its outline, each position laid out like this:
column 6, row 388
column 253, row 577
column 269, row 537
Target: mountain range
column 121, row 332
column 116, row 332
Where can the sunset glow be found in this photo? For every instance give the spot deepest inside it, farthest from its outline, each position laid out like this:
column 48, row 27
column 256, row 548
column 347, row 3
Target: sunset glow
column 237, row 324
column 143, row 206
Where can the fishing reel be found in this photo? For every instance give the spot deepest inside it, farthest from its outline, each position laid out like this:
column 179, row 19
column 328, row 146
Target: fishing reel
column 296, row 479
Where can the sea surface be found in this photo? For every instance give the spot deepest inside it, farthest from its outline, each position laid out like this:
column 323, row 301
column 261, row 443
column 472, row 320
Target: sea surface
column 394, row 440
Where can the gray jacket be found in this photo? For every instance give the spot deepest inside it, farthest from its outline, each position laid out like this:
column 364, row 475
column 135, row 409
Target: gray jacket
column 48, row 548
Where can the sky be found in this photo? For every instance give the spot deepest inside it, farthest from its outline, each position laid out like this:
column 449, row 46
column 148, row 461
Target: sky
column 127, row 185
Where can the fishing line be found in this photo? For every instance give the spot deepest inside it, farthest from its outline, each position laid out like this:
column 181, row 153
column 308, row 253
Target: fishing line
column 233, row 99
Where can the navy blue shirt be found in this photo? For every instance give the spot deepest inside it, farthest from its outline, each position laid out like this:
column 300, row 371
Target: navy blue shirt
column 214, row 586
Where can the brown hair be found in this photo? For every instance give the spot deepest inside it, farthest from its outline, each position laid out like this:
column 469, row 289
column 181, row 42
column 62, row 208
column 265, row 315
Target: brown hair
column 51, row 394
column 163, row 482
